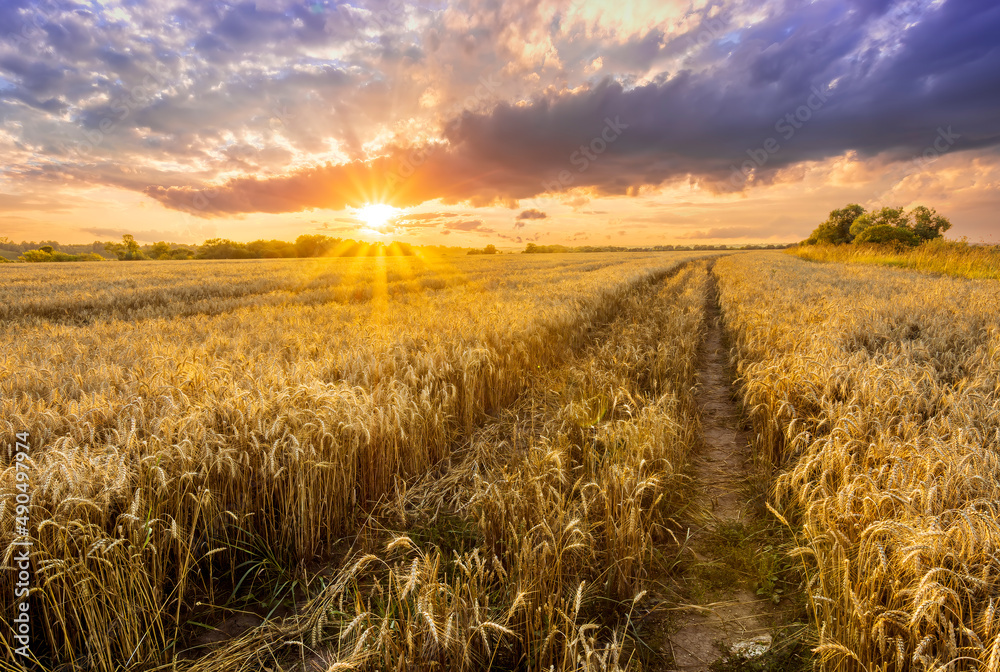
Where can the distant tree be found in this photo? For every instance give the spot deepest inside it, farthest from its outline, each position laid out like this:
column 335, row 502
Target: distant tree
column 836, row 230
column 827, row 234
column 160, row 250
column 222, row 248
column 127, row 250
column 885, row 217
column 271, row 249
column 489, row 249
column 884, row 233
column 350, row 248
column 46, row 254
column 315, row 245
column 927, row 224
column 531, row 248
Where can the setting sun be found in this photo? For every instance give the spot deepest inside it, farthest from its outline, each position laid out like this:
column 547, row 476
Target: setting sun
column 568, row 335
column 376, row 215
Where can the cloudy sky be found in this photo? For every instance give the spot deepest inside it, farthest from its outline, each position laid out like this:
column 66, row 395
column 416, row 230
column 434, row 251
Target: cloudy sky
column 493, row 121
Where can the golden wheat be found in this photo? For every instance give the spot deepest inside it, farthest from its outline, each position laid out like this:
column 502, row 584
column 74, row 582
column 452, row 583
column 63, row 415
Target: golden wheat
column 950, row 257
column 561, row 495
column 186, row 416
column 876, row 391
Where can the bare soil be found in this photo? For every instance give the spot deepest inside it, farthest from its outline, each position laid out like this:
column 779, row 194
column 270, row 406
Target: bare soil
column 704, row 628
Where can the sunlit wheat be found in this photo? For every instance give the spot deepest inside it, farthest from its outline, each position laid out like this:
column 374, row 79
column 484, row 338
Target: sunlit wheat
column 876, row 391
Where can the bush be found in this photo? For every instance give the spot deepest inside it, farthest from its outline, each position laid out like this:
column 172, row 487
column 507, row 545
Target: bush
column 162, row 250
column 885, row 233
column 489, row 249
column 46, row 254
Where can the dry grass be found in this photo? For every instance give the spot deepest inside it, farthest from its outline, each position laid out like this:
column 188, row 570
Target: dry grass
column 948, row 257
column 183, row 415
column 876, row 390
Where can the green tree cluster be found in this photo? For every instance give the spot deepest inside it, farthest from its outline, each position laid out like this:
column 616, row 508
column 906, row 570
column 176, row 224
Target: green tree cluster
column 853, row 224
column 532, row 248
column 13, row 249
column 216, row 248
column 162, row 250
column 127, row 250
column 311, row 245
column 47, row 254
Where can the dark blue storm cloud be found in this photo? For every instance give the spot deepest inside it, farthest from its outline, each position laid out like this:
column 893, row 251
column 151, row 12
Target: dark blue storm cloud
column 176, row 91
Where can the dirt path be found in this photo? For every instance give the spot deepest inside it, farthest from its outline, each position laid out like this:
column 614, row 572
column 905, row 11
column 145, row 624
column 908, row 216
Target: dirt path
column 718, row 470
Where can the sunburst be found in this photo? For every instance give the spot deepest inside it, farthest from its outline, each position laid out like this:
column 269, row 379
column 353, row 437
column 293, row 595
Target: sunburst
column 377, row 215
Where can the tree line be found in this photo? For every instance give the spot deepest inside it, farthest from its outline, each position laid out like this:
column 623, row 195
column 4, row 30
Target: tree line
column 532, row 248
column 129, row 249
column 305, row 246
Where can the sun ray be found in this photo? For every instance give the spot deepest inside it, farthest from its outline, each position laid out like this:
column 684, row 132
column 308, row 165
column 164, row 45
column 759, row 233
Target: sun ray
column 377, row 215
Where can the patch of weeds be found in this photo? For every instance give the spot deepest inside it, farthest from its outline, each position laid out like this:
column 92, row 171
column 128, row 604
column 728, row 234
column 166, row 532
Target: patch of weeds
column 756, row 491
column 752, row 556
column 266, row 580
column 448, row 532
column 647, row 645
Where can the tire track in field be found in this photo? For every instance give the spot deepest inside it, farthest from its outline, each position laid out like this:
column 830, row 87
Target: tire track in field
column 702, row 629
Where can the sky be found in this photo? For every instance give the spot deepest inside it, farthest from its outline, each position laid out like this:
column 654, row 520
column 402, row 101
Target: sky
column 499, row 122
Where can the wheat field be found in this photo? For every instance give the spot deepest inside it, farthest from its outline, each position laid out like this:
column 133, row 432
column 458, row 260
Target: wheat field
column 199, row 427
column 476, row 463
column 875, row 394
